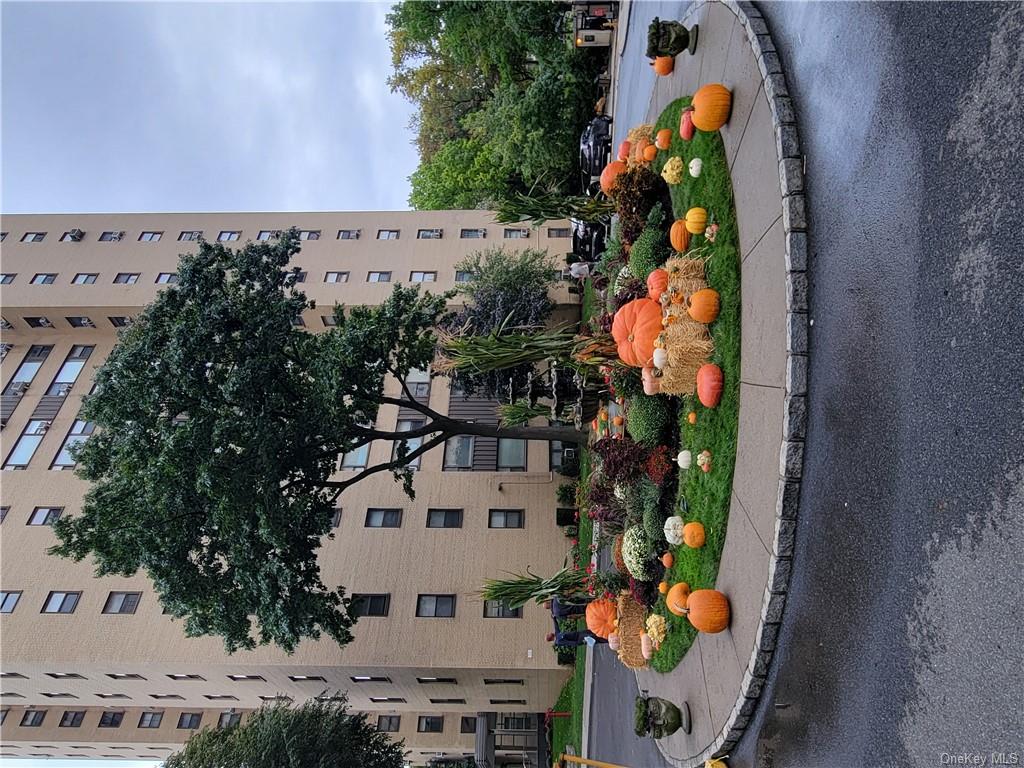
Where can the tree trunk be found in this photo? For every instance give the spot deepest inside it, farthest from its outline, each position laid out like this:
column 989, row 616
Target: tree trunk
column 455, row 427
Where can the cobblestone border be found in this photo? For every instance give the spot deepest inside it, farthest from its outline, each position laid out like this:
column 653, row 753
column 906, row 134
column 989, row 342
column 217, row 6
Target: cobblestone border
column 791, row 452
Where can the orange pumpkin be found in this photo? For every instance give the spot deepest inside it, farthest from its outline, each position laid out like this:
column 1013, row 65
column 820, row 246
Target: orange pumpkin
column 652, row 384
column 601, row 617
column 650, row 152
column 617, row 421
column 679, row 235
column 663, row 139
column 696, row 221
column 708, row 610
column 610, row 173
column 657, row 284
column 709, row 385
column 624, row 148
column 677, row 597
column 711, row 107
column 703, row 305
column 594, row 425
column 667, row 559
column 639, row 148
column 635, row 328
column 693, row 535
column 646, row 645
column 692, row 417
column 663, row 587
column 686, row 129
column 663, row 65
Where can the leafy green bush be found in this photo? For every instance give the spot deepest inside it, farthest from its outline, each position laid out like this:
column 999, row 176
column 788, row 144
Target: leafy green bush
column 647, row 418
column 627, row 382
column 654, row 525
column 650, row 251
column 566, row 494
column 639, row 497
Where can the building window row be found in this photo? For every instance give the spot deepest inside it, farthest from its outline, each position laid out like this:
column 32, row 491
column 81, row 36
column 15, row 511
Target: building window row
column 74, row 718
column 428, row 606
column 435, row 723
column 67, row 602
column 437, row 517
column 165, row 278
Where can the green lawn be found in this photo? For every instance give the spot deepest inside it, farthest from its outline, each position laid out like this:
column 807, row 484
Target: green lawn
column 708, row 495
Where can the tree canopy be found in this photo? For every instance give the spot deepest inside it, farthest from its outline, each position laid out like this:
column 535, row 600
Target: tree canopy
column 220, row 426
column 316, row 734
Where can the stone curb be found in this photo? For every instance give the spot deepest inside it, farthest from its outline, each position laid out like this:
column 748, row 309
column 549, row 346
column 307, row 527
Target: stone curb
column 791, row 449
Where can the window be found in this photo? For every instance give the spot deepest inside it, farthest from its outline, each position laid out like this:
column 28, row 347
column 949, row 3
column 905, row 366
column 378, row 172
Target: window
column 167, row 277
column 458, row 452
column 112, row 696
column 66, row 676
column 72, row 718
column 388, row 234
column 122, row 602
column 151, row 719
column 72, row 236
column 185, row 676
column 126, row 278
column 298, row 322
column 25, row 448
column 118, row 321
column 505, row 518
column 504, row 681
column 309, row 234
column 511, row 455
column 467, row 724
column 33, row 237
column 444, row 680
column 190, row 235
column 388, row 723
column 12, row 676
column 61, row 602
column 124, row 676
column 43, row 278
column 329, row 321
column 435, row 606
column 423, row 277
column 517, row 233
column 412, row 444
column 69, row 371
column 308, row 678
column 447, row 701
column 3, row 236
column 555, row 454
column 370, row 605
column 336, row 277
column 497, row 609
column 336, row 517
column 79, row 433
column 383, row 518
column 165, row 696
column 387, row 700
column 84, row 278
column 558, row 232
column 472, row 234
column 515, row 702
column 28, row 369
column 430, row 724
column 111, row 719
column 349, row 234
column 378, row 277
column 80, row 321
column 463, row 276
column 228, row 235
column 6, row 278
column 3, row 513
column 268, row 234
column 418, row 382
column 150, row 237
column 444, row 518
column 229, row 719
column 111, row 236
column 45, row 515
column 220, row 697
column 356, row 459
column 245, row 678
column 276, row 697
column 38, row 322
column 189, row 720
column 429, row 234
column 369, row 679
column 9, row 601
column 300, row 276
column 33, row 718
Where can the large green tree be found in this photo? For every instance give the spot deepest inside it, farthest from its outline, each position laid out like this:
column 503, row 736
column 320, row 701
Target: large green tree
column 464, row 173
column 220, row 428
column 316, row 734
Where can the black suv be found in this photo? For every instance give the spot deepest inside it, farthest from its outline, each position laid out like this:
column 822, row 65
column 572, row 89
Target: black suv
column 588, row 239
column 595, row 152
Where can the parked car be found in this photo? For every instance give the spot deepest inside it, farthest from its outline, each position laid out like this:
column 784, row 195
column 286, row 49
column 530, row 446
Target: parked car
column 588, row 239
column 595, row 152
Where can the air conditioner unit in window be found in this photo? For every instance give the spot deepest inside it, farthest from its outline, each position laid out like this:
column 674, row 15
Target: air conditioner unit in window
column 63, row 389
column 44, row 323
column 117, row 235
column 569, row 453
column 87, row 323
column 19, row 388
column 76, row 235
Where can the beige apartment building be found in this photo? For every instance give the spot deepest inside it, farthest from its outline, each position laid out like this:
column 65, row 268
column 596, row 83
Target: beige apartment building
column 92, row 667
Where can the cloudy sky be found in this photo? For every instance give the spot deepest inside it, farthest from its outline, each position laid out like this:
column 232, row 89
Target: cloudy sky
column 111, row 107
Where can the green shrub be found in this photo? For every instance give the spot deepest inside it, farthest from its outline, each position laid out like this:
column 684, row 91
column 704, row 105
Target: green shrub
column 566, row 494
column 647, row 418
column 650, row 251
column 639, row 497
column 627, row 382
column 654, row 524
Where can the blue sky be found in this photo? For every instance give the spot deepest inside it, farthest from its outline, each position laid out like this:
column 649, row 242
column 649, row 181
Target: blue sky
column 111, row 107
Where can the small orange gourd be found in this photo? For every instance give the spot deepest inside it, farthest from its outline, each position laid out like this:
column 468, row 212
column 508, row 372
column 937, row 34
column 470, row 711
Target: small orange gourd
column 679, row 235
column 667, row 559
column 703, row 305
column 663, row 587
column 638, row 149
column 650, row 152
column 709, row 385
column 657, row 284
column 652, row 384
column 610, row 173
column 677, row 598
column 663, row 139
column 711, row 107
column 663, row 65
column 635, row 328
column 617, row 421
column 708, row 610
column 624, row 149
column 693, row 535
column 692, row 417
column 601, row 617
column 696, row 221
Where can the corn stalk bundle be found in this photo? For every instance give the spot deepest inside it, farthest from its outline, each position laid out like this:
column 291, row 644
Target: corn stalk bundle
column 519, row 590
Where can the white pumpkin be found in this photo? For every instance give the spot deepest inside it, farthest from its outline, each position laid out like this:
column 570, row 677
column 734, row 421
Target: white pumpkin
column 696, row 166
column 684, row 459
column 674, row 530
column 660, row 357
column 613, row 641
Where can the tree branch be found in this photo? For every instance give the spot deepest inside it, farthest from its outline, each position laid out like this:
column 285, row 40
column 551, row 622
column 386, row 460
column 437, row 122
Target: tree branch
column 341, row 485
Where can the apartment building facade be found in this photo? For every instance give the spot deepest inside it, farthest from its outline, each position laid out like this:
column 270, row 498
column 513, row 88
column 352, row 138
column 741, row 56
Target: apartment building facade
column 91, row 667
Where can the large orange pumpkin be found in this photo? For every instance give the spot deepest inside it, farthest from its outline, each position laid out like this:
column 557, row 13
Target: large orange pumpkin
column 601, row 617
column 696, row 221
column 657, row 284
column 709, row 385
column 703, row 305
column 652, row 384
column 609, row 174
column 693, row 535
column 677, row 597
column 708, row 610
column 663, row 139
column 711, row 106
column 624, row 149
column 686, row 129
column 679, row 235
column 663, row 65
column 635, row 328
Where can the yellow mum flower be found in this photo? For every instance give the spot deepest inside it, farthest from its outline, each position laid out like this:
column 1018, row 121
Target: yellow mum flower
column 673, row 170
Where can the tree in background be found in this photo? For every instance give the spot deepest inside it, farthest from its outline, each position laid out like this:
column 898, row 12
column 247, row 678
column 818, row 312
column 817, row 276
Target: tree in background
column 464, row 173
column 220, row 429
column 316, row 734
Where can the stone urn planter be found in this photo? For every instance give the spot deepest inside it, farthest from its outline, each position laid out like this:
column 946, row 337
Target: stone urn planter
column 659, row 717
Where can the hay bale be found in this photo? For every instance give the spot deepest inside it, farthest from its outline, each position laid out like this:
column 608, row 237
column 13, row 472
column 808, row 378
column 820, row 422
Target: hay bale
column 632, row 624
column 684, row 268
column 689, row 346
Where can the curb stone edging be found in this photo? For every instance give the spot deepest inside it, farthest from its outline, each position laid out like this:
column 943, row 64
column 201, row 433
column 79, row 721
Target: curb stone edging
column 791, row 449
